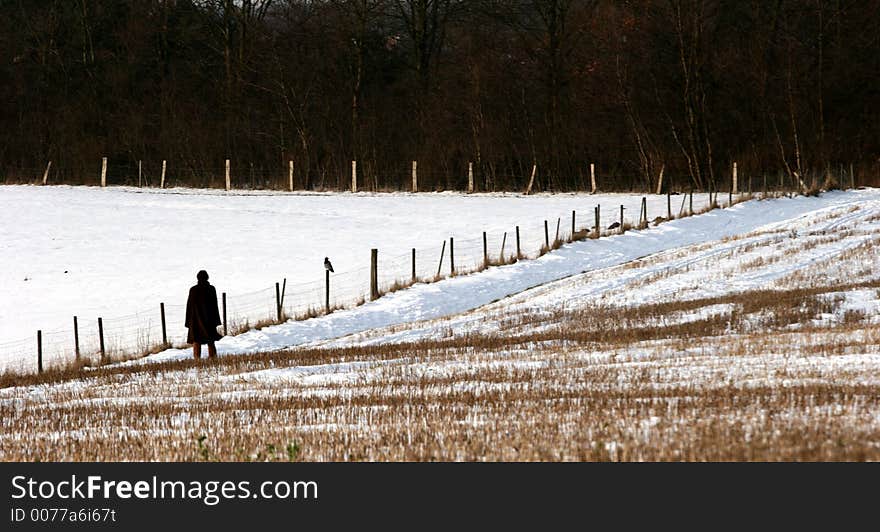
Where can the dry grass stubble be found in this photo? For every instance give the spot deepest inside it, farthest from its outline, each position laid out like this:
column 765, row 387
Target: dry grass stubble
column 591, row 384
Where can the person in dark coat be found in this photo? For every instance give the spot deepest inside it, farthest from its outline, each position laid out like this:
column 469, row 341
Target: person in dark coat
column 202, row 316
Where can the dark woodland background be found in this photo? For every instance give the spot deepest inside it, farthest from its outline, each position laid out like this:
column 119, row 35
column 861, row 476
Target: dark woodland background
column 786, row 88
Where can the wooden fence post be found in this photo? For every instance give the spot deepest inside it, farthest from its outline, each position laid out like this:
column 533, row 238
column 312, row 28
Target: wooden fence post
column 46, row 173
column 225, row 327
column 327, row 291
column 413, row 264
column 668, row 205
column 374, row 274
column 228, row 176
column 101, row 338
column 164, row 329
column 290, row 175
column 162, row 180
column 442, row 252
column 39, row 351
column 660, row 180
column 734, row 188
column 103, row 171
column 518, row 254
column 546, row 236
column 642, row 214
column 596, row 212
column 140, row 172
column 452, row 256
column 470, row 177
column 556, row 238
column 485, row 251
column 278, row 301
column 354, row 176
column 643, row 223
column 415, row 176
column 572, row 227
column 593, row 187
column 621, row 220
column 532, row 179
column 691, row 204
column 76, row 338
column 503, row 242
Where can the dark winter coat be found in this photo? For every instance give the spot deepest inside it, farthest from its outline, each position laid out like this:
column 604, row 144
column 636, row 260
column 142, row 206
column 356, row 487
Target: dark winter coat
column 202, row 316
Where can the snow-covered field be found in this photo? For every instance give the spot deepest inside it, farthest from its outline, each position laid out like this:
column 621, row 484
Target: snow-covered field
column 836, row 245
column 452, row 296
column 116, row 253
column 749, row 333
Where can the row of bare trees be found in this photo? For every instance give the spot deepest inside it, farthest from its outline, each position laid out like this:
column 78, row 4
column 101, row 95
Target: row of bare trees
column 640, row 88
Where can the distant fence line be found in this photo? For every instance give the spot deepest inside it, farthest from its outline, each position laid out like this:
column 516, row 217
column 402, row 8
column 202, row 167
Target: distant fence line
column 96, row 341
column 162, row 176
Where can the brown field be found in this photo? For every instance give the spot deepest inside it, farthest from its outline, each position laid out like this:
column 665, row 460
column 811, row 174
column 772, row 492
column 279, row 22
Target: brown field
column 595, row 384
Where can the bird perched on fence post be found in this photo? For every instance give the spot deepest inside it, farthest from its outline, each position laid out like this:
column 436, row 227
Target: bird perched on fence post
column 327, row 265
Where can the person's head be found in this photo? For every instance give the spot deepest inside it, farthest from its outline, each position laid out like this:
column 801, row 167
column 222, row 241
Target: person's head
column 202, row 276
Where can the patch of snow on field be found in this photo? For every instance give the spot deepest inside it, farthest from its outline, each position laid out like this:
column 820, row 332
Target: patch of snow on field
column 316, row 375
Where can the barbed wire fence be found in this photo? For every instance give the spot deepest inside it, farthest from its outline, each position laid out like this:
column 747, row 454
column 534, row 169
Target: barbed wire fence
column 366, row 176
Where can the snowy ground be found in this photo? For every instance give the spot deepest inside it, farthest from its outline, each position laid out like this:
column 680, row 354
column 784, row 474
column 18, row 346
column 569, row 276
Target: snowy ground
column 832, row 246
column 118, row 252
column 750, row 333
column 452, row 296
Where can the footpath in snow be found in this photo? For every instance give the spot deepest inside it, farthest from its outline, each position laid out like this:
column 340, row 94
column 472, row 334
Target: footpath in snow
column 460, row 294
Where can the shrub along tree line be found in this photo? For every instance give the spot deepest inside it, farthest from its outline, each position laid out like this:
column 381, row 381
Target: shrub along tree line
column 787, row 88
